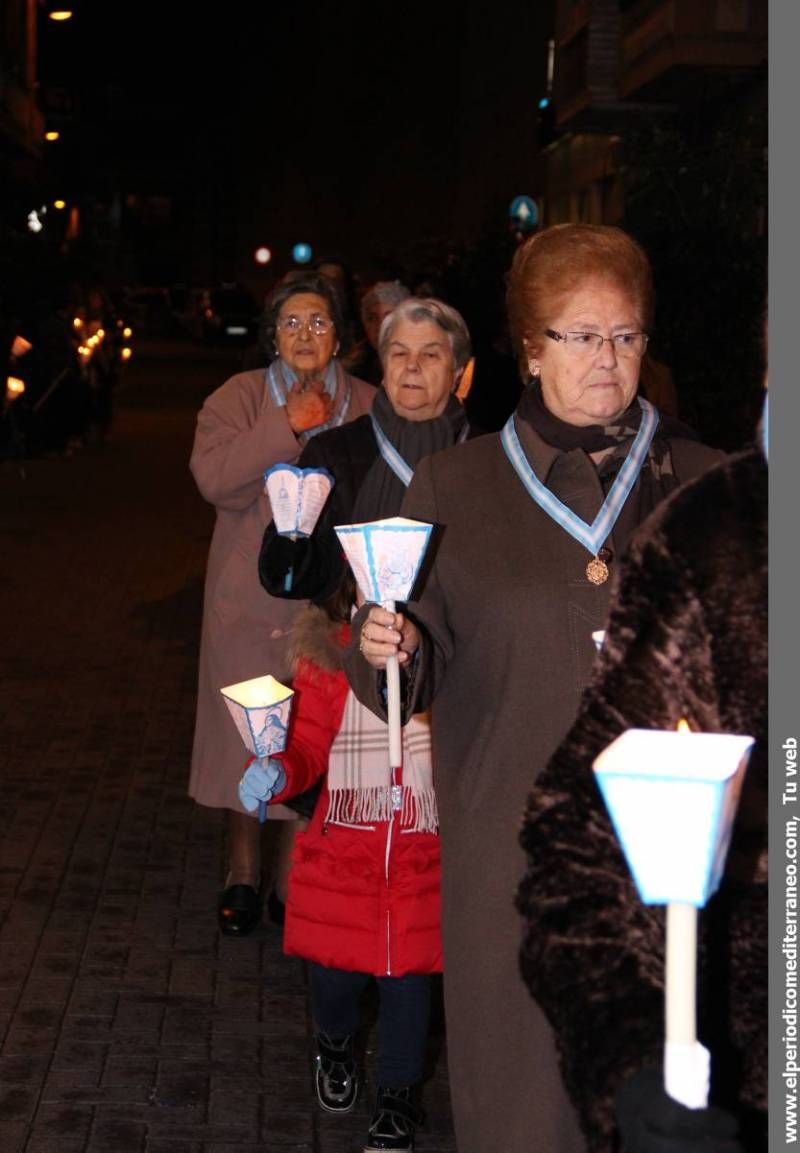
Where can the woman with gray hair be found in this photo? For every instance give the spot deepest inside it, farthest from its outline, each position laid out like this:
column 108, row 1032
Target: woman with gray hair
column 424, row 346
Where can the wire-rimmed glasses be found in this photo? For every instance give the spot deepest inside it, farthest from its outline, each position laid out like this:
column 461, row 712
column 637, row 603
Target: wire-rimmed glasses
column 317, row 325
column 625, row 344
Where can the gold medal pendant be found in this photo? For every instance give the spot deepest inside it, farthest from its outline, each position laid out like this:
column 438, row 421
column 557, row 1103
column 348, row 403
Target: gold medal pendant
column 597, row 571
column 597, row 568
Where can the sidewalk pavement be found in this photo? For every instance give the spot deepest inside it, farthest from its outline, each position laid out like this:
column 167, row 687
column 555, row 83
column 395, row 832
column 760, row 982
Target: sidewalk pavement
column 128, row 1024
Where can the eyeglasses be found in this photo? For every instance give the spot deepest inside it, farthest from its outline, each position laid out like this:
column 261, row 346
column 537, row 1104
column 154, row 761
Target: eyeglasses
column 626, row 344
column 318, row 325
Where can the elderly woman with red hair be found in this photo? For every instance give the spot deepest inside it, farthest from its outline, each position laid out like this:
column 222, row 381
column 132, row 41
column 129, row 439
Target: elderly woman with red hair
column 531, row 524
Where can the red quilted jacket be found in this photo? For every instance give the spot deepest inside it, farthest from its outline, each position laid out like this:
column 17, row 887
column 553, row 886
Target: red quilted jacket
column 364, row 898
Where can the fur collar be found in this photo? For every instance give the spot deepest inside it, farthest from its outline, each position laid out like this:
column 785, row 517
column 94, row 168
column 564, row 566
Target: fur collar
column 316, row 638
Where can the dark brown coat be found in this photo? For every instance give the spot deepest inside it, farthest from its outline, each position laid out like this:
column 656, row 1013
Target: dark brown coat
column 508, row 613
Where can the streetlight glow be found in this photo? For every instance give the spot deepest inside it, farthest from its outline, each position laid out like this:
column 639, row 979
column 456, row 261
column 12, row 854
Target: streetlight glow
column 301, row 253
column 52, row 135
column 60, row 14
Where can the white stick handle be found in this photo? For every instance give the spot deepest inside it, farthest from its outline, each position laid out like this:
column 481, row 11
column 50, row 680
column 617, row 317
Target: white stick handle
column 681, row 975
column 393, row 692
column 686, row 1062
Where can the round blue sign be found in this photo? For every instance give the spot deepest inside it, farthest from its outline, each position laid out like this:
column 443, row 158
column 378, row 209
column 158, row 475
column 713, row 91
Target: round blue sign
column 524, row 212
column 301, row 253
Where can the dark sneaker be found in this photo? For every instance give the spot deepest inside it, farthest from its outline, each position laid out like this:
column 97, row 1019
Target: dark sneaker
column 394, row 1122
column 336, row 1075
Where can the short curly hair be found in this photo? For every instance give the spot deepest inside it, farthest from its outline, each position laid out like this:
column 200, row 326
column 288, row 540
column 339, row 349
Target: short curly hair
column 421, row 308
column 553, row 263
column 292, row 285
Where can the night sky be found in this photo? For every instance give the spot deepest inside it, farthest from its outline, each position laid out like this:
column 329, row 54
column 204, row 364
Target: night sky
column 357, row 127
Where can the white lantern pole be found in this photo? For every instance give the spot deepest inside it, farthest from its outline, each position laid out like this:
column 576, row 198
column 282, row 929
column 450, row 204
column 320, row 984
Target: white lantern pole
column 385, row 556
column 672, row 798
column 393, row 704
column 681, row 973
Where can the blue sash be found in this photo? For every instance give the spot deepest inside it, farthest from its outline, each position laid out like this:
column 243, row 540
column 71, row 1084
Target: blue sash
column 591, row 536
column 400, row 467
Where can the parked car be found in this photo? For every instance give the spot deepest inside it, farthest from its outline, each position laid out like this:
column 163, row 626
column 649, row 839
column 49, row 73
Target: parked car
column 228, row 313
column 148, row 311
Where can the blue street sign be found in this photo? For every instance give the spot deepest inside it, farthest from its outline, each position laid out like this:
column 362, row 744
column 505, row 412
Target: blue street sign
column 524, row 213
column 301, row 253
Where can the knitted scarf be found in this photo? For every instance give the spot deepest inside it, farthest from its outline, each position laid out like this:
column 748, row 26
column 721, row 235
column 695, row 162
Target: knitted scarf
column 382, row 492
column 657, row 478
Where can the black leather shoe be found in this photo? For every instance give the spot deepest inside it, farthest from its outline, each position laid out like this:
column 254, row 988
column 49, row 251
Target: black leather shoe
column 276, row 909
column 239, row 910
column 335, row 1073
column 394, row 1122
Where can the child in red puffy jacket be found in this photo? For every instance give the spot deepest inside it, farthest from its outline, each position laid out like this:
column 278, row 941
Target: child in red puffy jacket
column 364, row 898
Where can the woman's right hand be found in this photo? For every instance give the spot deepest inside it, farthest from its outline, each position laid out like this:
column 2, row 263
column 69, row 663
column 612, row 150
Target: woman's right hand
column 308, row 404
column 385, row 634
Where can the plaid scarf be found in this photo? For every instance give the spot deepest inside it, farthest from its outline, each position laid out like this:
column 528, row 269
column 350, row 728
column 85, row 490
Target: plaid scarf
column 360, row 785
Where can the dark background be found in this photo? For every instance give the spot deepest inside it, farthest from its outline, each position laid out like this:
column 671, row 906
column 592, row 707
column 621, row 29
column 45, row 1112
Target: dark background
column 359, row 128
column 395, row 140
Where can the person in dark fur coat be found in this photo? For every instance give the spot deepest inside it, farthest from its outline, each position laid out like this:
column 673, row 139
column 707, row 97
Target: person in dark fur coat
column 686, row 638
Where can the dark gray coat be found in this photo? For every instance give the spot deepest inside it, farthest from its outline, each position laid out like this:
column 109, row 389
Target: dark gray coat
column 507, row 613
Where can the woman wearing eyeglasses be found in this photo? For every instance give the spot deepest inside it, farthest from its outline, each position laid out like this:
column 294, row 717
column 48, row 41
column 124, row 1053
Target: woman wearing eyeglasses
column 532, row 522
column 255, row 420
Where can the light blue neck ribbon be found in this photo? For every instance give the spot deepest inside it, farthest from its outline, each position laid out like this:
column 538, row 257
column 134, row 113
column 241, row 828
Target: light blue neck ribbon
column 591, row 536
column 395, row 461
column 280, row 377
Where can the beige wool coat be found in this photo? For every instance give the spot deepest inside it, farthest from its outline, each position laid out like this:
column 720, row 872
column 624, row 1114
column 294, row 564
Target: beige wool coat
column 509, row 614
column 240, row 433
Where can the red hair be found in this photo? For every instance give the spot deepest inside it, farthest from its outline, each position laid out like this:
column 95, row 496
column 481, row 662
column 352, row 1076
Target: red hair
column 552, row 264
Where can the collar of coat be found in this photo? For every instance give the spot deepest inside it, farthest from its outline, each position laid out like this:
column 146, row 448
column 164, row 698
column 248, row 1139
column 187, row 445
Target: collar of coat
column 316, row 638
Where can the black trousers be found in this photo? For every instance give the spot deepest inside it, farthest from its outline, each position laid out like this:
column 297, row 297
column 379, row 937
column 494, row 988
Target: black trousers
column 403, row 1016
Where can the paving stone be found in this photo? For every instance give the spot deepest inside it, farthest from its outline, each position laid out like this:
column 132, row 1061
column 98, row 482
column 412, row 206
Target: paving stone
column 18, row 1102
column 113, row 1135
column 49, row 1144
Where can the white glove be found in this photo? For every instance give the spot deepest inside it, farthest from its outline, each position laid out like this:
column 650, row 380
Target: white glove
column 261, row 781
